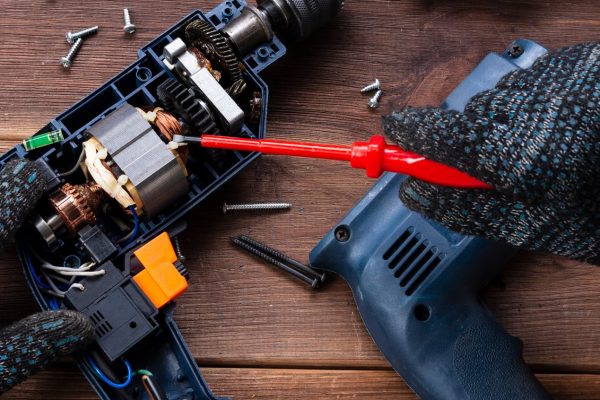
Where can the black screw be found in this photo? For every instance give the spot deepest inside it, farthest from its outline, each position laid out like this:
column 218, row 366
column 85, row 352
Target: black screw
column 283, row 257
column 515, row 50
column 312, row 281
column 342, row 234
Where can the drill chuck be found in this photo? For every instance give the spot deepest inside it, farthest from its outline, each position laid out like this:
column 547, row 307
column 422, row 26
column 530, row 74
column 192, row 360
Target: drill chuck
column 294, row 18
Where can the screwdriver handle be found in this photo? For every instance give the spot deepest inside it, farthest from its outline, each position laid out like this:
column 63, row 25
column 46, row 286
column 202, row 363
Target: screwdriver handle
column 374, row 156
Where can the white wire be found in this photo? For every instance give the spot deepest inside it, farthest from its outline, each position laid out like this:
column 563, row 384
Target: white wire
column 81, row 271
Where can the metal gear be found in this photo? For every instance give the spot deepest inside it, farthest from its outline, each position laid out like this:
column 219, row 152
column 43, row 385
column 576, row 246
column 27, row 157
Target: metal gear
column 186, row 104
column 214, row 45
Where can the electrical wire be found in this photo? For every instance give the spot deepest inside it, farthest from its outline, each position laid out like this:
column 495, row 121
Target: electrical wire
column 130, row 237
column 143, row 372
column 106, row 380
column 75, row 167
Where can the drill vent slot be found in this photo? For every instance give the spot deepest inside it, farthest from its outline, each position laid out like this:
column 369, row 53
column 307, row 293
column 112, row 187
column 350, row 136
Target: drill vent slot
column 412, row 259
column 102, row 326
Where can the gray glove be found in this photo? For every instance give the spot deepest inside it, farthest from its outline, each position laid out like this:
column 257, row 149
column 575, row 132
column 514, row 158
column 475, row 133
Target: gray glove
column 33, row 342
column 536, row 139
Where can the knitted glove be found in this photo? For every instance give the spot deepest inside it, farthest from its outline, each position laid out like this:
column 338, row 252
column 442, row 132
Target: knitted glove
column 536, row 139
column 22, row 185
column 31, row 343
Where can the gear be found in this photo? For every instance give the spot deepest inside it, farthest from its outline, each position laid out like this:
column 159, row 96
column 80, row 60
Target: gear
column 185, row 103
column 214, row 45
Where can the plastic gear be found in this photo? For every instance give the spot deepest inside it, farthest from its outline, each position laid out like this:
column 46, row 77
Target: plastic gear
column 214, row 44
column 185, row 103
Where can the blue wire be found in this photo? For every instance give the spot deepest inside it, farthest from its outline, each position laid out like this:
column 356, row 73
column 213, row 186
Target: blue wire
column 136, row 226
column 105, row 378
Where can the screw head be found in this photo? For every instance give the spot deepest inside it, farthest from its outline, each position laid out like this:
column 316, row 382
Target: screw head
column 342, row 233
column 69, row 37
column 515, row 50
column 224, row 208
column 65, row 62
column 373, row 103
column 129, row 28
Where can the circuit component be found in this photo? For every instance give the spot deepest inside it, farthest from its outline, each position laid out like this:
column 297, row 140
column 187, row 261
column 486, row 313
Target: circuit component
column 73, row 207
column 160, row 279
column 43, row 140
column 144, row 165
column 120, row 312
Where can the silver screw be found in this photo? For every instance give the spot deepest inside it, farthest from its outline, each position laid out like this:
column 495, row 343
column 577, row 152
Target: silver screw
column 374, row 101
column 67, row 60
column 129, row 27
column 255, row 206
column 373, row 86
column 73, row 36
column 180, row 255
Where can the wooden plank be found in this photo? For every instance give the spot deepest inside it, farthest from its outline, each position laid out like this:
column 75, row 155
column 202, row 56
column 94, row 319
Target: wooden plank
column 282, row 384
column 239, row 312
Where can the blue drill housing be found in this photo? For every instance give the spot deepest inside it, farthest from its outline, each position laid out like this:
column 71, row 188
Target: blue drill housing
column 416, row 283
column 164, row 351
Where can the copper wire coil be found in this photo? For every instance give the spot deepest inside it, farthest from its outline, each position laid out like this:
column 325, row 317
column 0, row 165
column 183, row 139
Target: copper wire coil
column 169, row 126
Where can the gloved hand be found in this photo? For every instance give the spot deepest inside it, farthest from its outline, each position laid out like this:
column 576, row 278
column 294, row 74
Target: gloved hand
column 30, row 344
column 536, row 139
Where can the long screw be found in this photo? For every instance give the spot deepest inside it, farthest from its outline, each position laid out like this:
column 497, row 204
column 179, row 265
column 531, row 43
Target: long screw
column 128, row 27
column 311, row 280
column 67, row 60
column 282, row 257
column 373, row 86
column 255, row 207
column 73, row 36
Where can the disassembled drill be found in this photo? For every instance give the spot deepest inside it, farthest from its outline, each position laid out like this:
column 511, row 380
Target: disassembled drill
column 118, row 185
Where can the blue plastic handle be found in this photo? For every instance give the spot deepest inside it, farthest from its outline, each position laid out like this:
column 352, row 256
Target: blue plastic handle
column 416, row 284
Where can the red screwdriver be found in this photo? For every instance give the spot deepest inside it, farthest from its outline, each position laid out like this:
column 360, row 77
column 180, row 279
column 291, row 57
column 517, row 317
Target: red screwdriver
column 375, row 156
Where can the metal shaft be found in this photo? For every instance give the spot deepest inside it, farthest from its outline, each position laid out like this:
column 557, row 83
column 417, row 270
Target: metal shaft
column 255, row 207
column 373, row 86
column 282, row 257
column 73, row 36
column 126, row 16
column 311, row 280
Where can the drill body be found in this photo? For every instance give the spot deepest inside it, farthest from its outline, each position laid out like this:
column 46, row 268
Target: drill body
column 416, row 283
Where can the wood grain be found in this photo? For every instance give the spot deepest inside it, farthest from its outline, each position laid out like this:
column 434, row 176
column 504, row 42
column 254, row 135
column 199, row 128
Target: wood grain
column 263, row 334
column 284, row 384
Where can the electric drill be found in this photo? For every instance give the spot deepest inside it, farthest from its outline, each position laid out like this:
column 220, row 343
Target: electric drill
column 416, row 283
column 118, row 186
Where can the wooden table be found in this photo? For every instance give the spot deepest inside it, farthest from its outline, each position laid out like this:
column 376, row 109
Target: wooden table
column 256, row 332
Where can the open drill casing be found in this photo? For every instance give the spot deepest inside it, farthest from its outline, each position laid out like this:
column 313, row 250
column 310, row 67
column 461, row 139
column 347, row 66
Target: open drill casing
column 128, row 326
column 416, row 283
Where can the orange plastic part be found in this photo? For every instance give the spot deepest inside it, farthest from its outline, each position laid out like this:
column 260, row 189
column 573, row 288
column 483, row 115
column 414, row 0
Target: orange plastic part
column 159, row 280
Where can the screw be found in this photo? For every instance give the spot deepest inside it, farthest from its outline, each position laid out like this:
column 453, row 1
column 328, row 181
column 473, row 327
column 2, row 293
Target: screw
column 72, row 37
column 374, row 101
column 515, row 50
column 129, row 27
column 311, row 280
column 342, row 234
column 255, row 206
column 180, row 255
column 373, row 86
column 282, row 257
column 67, row 60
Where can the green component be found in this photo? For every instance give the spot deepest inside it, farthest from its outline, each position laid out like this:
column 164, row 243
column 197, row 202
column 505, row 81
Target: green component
column 42, row 140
